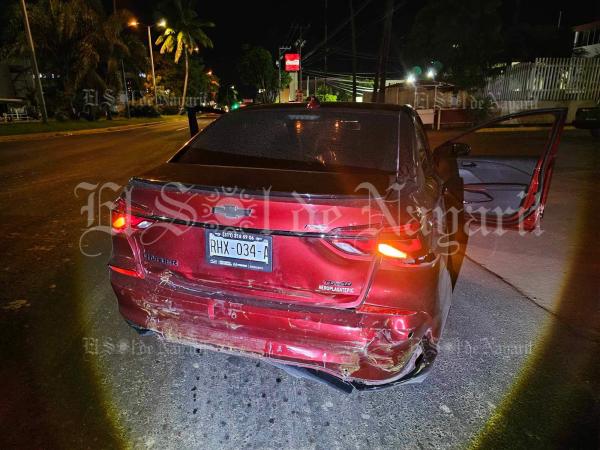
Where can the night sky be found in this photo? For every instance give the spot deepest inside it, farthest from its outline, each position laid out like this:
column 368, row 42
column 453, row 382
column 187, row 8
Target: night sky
column 274, row 23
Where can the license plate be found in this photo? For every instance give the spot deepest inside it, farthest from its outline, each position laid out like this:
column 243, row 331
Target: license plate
column 240, row 250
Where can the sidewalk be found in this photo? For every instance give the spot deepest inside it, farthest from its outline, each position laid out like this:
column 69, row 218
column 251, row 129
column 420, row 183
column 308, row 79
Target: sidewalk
column 102, row 127
column 557, row 269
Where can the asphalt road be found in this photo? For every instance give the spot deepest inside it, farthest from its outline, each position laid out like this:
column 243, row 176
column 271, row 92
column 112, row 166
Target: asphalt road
column 513, row 371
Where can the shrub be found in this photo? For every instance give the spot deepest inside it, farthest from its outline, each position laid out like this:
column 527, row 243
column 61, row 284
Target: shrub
column 144, row 111
column 61, row 116
column 169, row 110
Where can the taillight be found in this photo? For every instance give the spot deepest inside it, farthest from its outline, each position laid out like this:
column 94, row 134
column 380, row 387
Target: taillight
column 403, row 244
column 123, row 217
column 357, row 241
column 391, row 251
column 119, row 221
column 354, row 246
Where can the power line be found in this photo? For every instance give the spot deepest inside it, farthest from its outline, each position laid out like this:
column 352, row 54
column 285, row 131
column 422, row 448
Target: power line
column 366, row 75
column 316, row 56
column 337, row 30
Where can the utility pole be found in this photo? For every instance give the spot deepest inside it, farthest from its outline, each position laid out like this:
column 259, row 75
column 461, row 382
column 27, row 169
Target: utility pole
column 387, row 33
column 152, row 64
column 36, row 72
column 384, row 49
column 353, row 27
column 377, row 73
column 299, row 44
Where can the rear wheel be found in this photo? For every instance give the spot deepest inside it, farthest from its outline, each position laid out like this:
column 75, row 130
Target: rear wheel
column 141, row 331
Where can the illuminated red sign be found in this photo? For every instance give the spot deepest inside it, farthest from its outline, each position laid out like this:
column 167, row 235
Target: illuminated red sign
column 292, row 62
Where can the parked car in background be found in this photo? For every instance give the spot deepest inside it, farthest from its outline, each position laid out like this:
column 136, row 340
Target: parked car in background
column 588, row 119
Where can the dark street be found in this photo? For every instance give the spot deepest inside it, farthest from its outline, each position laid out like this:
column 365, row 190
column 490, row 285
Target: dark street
column 517, row 367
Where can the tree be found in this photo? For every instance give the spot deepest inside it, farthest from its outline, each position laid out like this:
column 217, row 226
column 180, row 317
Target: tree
column 326, row 94
column 183, row 35
column 169, row 75
column 257, row 69
column 79, row 44
column 465, row 35
column 525, row 42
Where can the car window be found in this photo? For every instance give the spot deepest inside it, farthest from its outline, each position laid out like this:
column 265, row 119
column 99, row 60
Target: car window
column 323, row 139
column 422, row 148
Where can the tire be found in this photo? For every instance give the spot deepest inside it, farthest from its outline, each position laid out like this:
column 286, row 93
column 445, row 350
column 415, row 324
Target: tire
column 139, row 330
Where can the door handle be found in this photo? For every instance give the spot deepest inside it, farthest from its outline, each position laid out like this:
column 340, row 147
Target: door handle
column 468, row 164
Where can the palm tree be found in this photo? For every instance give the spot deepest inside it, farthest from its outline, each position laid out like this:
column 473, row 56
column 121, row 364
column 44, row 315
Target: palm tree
column 183, row 35
column 81, row 44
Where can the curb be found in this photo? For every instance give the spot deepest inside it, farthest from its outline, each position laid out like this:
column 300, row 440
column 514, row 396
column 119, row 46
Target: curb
column 53, row 134
column 520, row 129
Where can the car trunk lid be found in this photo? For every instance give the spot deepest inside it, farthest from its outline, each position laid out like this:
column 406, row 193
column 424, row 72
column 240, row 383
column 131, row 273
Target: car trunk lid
column 280, row 218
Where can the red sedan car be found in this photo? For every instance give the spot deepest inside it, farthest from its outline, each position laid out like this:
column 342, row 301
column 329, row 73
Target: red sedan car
column 327, row 238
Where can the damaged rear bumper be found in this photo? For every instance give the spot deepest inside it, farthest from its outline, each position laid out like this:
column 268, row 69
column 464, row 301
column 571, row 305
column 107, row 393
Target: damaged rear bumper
column 362, row 350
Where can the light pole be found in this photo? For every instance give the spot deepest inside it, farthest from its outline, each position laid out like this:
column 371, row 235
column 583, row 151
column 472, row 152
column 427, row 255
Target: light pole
column 162, row 24
column 152, row 64
column 38, row 80
column 125, row 88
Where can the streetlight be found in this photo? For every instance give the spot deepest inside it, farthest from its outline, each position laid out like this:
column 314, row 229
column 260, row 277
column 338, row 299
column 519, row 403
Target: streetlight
column 162, row 23
column 431, row 74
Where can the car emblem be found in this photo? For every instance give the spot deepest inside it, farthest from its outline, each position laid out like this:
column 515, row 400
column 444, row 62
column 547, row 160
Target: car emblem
column 231, row 211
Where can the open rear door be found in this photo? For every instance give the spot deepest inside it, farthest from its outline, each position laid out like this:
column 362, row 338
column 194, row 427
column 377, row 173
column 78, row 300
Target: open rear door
column 504, row 167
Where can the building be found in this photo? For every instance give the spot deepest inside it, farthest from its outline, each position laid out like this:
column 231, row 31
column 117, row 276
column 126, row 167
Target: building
column 586, row 40
column 16, row 87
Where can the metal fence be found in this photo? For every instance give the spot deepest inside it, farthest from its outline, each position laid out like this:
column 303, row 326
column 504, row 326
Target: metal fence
column 548, row 79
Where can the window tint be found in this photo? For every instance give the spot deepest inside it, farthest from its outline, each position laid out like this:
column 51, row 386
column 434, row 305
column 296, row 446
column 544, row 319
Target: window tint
column 422, row 148
column 323, row 139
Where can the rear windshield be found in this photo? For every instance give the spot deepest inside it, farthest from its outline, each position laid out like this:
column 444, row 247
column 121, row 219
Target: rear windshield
column 323, row 139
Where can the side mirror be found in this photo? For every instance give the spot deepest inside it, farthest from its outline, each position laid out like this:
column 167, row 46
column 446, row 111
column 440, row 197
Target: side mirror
column 459, row 149
column 193, row 121
column 451, row 150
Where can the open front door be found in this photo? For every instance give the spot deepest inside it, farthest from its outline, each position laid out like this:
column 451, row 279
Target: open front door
column 504, row 167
